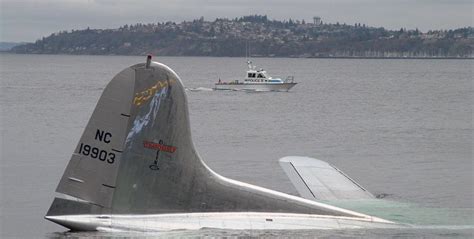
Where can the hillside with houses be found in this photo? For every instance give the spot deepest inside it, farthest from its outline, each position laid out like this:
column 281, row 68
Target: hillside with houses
column 266, row 38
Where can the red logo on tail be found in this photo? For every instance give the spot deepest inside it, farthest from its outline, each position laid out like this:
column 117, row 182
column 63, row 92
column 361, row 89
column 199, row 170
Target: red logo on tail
column 158, row 146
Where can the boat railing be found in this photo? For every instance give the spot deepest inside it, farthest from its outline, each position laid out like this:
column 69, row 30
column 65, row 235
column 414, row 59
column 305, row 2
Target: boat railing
column 290, row 79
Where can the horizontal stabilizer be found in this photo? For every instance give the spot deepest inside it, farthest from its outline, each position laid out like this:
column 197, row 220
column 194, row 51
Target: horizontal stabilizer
column 317, row 180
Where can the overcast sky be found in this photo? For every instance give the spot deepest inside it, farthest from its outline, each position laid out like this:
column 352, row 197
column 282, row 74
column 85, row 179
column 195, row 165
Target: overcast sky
column 29, row 20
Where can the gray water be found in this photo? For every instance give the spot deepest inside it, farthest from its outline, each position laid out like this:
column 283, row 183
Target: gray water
column 401, row 128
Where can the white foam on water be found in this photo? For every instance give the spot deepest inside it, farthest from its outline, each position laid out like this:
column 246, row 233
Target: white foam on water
column 197, row 89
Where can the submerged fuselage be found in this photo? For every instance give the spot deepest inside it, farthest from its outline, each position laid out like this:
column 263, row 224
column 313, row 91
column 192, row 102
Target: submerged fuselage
column 220, row 220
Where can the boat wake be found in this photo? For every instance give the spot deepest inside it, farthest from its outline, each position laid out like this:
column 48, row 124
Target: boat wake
column 197, row 89
column 200, row 89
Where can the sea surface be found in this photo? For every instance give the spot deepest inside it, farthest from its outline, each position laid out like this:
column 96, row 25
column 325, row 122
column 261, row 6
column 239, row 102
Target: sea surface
column 403, row 129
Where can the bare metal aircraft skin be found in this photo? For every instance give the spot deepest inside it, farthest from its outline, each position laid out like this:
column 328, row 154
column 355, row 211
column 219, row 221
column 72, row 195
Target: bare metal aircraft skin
column 136, row 168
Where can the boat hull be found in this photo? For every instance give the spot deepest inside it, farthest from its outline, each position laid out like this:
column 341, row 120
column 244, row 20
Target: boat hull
column 255, row 87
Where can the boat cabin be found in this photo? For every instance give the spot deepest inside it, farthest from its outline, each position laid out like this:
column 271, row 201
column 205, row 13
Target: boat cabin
column 259, row 76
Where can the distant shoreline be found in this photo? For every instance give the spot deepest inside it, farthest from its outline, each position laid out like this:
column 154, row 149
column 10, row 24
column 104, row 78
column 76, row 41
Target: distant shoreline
column 259, row 36
column 318, row 57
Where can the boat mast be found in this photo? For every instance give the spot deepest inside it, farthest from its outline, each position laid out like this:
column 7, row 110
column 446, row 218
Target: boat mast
column 247, row 55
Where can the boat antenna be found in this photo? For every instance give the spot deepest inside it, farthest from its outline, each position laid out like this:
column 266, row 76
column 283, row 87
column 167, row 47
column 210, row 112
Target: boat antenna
column 247, row 50
column 250, row 54
column 247, row 54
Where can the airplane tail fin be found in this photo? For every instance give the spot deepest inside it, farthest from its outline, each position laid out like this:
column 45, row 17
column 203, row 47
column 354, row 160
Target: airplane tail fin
column 133, row 130
column 136, row 156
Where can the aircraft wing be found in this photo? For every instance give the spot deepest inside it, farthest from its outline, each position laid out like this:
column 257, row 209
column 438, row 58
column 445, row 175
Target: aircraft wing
column 318, row 180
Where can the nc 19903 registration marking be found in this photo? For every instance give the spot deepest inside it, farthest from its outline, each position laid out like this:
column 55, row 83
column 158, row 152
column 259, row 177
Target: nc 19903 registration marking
column 96, row 153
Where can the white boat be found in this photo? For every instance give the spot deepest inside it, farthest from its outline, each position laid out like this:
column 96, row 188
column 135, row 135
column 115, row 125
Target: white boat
column 257, row 80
